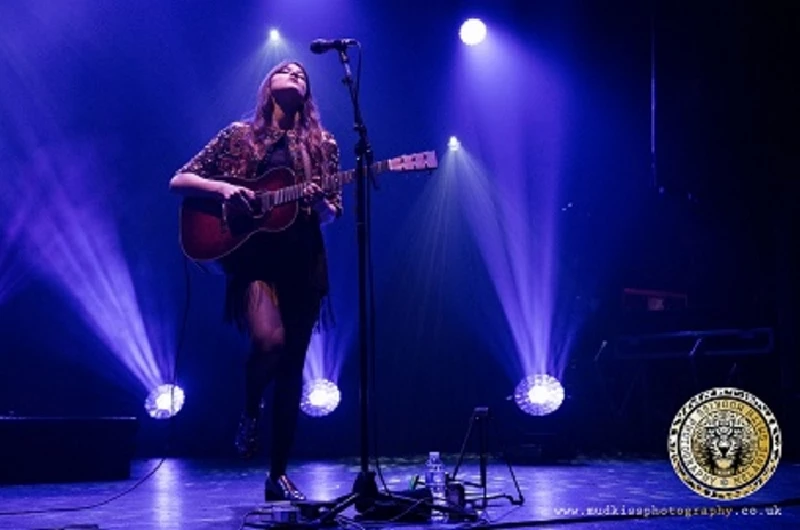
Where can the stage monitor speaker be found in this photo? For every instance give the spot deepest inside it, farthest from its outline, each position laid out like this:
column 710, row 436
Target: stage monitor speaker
column 65, row 449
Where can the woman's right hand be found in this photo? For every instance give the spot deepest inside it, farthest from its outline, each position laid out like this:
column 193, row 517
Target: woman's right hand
column 239, row 198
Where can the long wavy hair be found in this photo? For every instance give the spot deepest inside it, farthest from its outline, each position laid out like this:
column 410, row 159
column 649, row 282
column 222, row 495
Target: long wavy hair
column 307, row 125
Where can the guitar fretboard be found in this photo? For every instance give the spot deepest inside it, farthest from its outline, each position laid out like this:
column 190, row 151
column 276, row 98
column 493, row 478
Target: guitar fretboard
column 329, row 184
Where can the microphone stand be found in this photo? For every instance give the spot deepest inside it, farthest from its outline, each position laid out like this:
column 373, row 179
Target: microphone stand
column 365, row 495
column 365, row 489
column 365, row 484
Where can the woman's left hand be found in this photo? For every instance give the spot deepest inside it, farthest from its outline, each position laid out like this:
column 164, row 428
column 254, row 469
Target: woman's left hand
column 316, row 198
column 313, row 193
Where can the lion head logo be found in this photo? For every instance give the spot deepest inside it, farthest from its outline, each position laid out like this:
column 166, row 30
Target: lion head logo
column 723, row 443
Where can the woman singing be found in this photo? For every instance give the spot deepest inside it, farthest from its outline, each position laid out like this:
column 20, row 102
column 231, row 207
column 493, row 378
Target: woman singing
column 276, row 282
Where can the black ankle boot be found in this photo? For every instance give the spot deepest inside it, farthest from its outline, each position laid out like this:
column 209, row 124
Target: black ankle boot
column 281, row 489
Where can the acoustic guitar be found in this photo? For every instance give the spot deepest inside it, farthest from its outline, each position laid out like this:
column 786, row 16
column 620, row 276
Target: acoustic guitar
column 209, row 232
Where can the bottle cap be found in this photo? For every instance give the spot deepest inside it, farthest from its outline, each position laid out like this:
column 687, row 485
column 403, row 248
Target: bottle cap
column 433, row 454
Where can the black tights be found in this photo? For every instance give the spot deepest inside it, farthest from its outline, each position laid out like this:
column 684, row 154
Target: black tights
column 280, row 338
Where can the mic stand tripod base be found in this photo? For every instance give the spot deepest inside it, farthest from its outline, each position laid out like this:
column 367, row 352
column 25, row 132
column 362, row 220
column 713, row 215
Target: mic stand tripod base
column 373, row 505
column 363, row 497
column 365, row 491
column 415, row 505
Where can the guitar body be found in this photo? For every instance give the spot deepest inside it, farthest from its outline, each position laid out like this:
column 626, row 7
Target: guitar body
column 206, row 234
column 209, row 233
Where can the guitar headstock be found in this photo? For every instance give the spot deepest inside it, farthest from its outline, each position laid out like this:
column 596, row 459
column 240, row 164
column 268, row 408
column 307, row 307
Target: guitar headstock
column 415, row 162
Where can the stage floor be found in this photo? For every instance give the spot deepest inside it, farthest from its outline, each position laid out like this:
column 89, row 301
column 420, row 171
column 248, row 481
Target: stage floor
column 200, row 495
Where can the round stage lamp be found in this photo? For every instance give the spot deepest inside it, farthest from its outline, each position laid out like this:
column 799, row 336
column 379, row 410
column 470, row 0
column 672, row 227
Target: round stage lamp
column 453, row 144
column 472, row 32
column 539, row 395
column 164, row 401
column 320, row 398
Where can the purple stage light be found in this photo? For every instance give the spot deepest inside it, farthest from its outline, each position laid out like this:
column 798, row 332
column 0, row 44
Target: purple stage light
column 539, row 395
column 74, row 241
column 320, row 398
column 453, row 144
column 326, row 352
column 164, row 401
column 510, row 189
column 472, row 32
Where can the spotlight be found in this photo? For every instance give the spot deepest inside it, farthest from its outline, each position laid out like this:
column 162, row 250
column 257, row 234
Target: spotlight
column 453, row 144
column 320, row 398
column 472, row 32
column 539, row 395
column 164, row 401
column 274, row 35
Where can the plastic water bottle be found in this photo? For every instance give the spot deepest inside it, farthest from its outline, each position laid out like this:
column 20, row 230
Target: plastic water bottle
column 436, row 482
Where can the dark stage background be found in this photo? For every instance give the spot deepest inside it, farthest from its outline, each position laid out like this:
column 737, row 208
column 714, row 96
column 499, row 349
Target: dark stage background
column 143, row 86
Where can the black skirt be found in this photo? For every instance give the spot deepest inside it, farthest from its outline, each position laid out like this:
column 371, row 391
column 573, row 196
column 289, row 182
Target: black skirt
column 292, row 263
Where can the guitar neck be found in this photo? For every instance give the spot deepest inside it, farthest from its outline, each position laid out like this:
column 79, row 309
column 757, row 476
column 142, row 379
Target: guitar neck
column 336, row 181
column 330, row 184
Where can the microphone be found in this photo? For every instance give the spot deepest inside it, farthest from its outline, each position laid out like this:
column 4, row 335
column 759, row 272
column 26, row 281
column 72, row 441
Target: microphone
column 323, row 45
